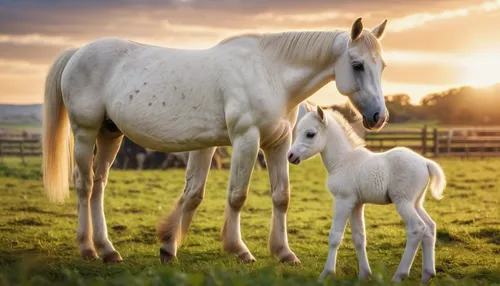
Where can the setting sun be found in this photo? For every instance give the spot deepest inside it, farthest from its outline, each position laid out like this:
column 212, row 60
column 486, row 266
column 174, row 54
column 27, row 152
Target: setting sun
column 479, row 68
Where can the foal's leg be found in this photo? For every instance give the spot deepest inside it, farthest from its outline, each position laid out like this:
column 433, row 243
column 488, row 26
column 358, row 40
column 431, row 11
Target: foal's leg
column 342, row 211
column 108, row 145
column 428, row 245
column 280, row 192
column 359, row 239
column 415, row 230
column 83, row 179
column 172, row 229
column 245, row 148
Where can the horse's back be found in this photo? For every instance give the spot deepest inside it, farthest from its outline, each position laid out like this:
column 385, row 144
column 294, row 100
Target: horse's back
column 162, row 98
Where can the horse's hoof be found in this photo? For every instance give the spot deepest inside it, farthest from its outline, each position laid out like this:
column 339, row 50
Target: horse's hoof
column 246, row 258
column 89, row 254
column 112, row 257
column 290, row 258
column 166, row 256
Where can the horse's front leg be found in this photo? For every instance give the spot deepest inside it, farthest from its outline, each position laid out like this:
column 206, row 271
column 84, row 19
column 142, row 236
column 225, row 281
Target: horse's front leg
column 277, row 164
column 359, row 239
column 245, row 149
column 342, row 211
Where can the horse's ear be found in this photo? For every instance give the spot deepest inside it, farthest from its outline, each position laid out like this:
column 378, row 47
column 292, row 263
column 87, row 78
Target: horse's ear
column 321, row 114
column 379, row 30
column 356, row 29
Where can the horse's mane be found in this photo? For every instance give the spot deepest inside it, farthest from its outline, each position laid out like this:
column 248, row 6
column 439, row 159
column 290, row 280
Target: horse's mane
column 354, row 138
column 308, row 46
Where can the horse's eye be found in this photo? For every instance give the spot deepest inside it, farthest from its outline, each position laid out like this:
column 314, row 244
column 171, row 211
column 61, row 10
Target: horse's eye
column 358, row 67
column 310, row 135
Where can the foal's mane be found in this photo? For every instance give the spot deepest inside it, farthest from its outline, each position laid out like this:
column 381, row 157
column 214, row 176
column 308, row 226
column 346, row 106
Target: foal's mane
column 355, row 140
column 306, row 46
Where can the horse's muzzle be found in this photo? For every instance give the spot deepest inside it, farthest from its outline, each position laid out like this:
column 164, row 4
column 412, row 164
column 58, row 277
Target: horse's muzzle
column 293, row 158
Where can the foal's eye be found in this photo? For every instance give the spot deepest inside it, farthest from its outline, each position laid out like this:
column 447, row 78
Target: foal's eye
column 358, row 67
column 310, row 135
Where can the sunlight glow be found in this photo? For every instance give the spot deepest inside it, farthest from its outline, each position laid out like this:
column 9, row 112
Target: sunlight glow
column 481, row 69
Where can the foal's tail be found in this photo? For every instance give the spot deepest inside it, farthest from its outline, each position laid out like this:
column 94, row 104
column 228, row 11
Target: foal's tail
column 438, row 179
column 57, row 147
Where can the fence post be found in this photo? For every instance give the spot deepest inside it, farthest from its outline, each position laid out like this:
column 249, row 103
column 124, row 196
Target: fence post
column 424, row 140
column 22, row 152
column 436, row 143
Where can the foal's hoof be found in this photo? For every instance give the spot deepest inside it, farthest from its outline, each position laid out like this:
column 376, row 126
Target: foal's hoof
column 246, row 258
column 166, row 256
column 290, row 258
column 323, row 275
column 112, row 257
column 398, row 277
column 427, row 275
column 89, row 254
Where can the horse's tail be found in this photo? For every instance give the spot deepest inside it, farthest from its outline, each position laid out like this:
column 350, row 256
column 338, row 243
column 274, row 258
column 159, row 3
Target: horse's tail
column 438, row 178
column 57, row 147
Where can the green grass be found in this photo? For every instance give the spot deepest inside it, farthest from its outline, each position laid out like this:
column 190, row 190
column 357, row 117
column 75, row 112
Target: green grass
column 38, row 247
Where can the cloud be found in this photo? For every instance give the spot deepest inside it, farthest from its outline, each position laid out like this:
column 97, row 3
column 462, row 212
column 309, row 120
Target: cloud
column 420, row 19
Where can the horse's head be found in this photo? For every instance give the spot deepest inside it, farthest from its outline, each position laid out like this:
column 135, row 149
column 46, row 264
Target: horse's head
column 358, row 73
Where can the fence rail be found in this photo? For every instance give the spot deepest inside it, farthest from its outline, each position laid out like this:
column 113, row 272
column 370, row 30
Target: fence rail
column 451, row 142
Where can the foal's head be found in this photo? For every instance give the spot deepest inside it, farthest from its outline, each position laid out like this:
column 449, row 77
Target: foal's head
column 310, row 136
column 358, row 74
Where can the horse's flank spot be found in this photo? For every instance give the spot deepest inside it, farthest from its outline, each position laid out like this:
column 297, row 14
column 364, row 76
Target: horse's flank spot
column 163, row 103
column 175, row 87
column 150, row 104
column 136, row 91
column 145, row 83
column 183, row 95
column 131, row 96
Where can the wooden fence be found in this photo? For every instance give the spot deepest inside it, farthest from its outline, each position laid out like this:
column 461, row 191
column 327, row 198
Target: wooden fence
column 456, row 142
column 20, row 148
column 452, row 142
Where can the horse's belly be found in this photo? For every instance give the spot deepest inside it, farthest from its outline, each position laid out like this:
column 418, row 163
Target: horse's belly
column 171, row 128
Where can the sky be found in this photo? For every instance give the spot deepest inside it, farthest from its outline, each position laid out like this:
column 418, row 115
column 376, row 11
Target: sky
column 429, row 45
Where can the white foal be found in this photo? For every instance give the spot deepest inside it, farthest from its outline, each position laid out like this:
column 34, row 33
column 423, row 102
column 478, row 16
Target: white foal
column 358, row 176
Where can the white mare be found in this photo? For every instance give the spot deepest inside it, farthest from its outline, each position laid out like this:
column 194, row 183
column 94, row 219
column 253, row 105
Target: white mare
column 357, row 176
column 242, row 92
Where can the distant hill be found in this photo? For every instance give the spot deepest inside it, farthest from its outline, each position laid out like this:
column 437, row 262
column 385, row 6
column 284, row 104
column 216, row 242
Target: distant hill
column 11, row 114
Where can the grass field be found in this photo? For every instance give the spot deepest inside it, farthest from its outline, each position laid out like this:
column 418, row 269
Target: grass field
column 37, row 239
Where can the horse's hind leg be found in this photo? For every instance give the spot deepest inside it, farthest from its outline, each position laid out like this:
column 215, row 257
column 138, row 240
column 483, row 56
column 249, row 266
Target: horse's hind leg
column 174, row 227
column 428, row 246
column 108, row 144
column 415, row 230
column 83, row 174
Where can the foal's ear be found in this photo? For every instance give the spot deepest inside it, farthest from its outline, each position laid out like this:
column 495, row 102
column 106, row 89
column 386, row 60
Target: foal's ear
column 356, row 29
column 321, row 114
column 308, row 107
column 379, row 30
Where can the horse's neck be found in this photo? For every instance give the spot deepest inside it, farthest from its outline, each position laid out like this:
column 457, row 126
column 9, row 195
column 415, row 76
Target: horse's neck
column 337, row 147
column 307, row 65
